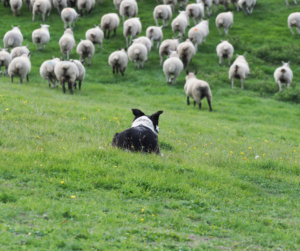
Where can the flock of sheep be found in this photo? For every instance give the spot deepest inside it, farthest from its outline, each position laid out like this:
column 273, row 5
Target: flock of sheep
column 179, row 54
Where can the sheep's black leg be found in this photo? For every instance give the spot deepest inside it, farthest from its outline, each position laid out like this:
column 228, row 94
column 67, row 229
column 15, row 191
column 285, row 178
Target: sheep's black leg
column 12, row 78
column 104, row 33
column 80, row 85
column 117, row 70
column 108, row 34
column 113, row 70
column 64, row 87
column 75, row 85
column 188, row 100
column 200, row 105
column 70, row 86
column 21, row 80
column 194, row 103
column 209, row 103
column 115, row 32
column 27, row 77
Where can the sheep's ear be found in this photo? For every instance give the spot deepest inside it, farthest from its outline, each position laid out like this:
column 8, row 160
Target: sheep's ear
column 151, row 30
column 237, row 55
column 289, row 62
column 71, row 29
column 187, row 72
column 137, row 113
column 60, row 59
column 27, row 45
column 245, row 54
column 53, row 57
column 282, row 62
column 227, row 40
column 81, row 40
column 195, row 72
column 28, row 55
column 82, row 61
column 19, row 27
column 65, row 29
column 41, row 25
column 125, row 49
column 7, row 49
column 161, row 27
column 12, row 26
column 222, row 40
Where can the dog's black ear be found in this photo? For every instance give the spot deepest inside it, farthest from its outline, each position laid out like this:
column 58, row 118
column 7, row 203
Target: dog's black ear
column 137, row 113
column 155, row 116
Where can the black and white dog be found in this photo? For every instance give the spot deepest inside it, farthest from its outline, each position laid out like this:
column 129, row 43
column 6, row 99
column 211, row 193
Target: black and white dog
column 142, row 136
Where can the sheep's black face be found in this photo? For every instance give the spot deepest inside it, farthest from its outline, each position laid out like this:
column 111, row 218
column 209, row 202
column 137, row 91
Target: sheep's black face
column 154, row 117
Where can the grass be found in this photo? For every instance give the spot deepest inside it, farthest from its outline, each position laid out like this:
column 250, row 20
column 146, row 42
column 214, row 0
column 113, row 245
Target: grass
column 62, row 187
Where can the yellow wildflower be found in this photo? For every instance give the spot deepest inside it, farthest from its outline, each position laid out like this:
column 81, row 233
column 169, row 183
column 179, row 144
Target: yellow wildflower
column 62, row 182
column 73, row 196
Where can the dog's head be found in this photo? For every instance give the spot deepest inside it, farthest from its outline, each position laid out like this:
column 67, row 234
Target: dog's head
column 154, row 117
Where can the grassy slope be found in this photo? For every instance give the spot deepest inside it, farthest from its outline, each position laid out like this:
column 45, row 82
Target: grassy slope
column 208, row 192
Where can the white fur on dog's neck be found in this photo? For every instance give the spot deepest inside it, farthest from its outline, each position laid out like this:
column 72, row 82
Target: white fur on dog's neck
column 145, row 121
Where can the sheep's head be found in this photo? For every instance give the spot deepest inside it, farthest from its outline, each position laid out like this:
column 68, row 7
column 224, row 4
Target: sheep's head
column 286, row 64
column 173, row 54
column 190, row 75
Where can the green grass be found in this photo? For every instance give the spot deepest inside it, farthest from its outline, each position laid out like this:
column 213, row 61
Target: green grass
column 208, row 192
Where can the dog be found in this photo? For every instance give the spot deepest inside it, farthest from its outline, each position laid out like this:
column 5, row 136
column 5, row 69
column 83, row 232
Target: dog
column 142, row 136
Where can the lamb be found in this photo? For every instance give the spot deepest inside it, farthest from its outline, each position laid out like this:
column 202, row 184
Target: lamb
column 20, row 66
column 117, row 4
column 207, row 5
column 185, row 2
column 47, row 71
column 172, row 66
column 224, row 20
column 132, row 27
column 225, row 50
column 195, row 11
column 19, row 51
column 110, row 22
column 167, row 46
column 283, row 74
column 186, row 51
column 172, row 3
column 287, row 2
column 138, row 54
column 225, row 3
column 81, row 71
column 13, row 38
column 155, row 34
column 118, row 60
column 85, row 49
column 294, row 21
column 198, row 33
column 41, row 7
column 163, row 12
column 67, row 42
column 15, row 6
column 95, row 35
column 41, row 36
column 239, row 69
column 5, row 59
column 69, row 15
column 87, row 4
column 27, row 2
column 66, row 71
column 60, row 4
column 233, row 4
column 248, row 5
column 145, row 41
column 180, row 23
column 128, row 8
column 197, row 89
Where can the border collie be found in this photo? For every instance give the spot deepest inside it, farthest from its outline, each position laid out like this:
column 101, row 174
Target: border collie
column 142, row 136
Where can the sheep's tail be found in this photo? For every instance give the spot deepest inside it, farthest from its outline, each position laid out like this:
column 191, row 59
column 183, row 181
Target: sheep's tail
column 225, row 48
column 159, row 13
column 10, row 41
column 136, row 53
column 191, row 12
column 38, row 38
column 2, row 59
column 283, row 71
column 93, row 35
column 293, row 22
column 19, row 66
column 177, row 24
column 220, row 21
column 236, row 69
column 171, row 68
column 116, row 58
column 65, row 67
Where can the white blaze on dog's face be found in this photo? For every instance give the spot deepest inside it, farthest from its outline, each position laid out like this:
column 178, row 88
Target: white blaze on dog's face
column 154, row 117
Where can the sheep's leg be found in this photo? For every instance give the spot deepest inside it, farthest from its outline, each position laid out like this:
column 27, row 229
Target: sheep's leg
column 89, row 60
column 115, row 32
column 194, row 103
column 6, row 70
column 70, row 24
column 226, row 31
column 1, row 71
column 157, row 46
column 18, row 13
column 200, row 105
column 136, row 64
column 220, row 61
column 220, row 31
column 232, row 83
column 244, row 12
column 242, row 83
column 43, row 17
column 156, row 22
column 80, row 81
column 291, row 28
column 33, row 15
column 127, row 41
column 75, row 85
column 279, row 85
column 58, row 10
column 188, row 100
column 196, row 47
column 297, row 29
column 295, row 1
column 68, row 54
column 287, row 3
column 229, row 59
column 209, row 104
column 70, row 87
column 21, row 80
column 174, row 78
column 49, row 82
column 113, row 70
column 168, row 77
column 108, row 33
column 194, row 21
column 27, row 78
column 288, row 85
column 167, row 22
column 12, row 77
column 123, row 18
column 142, row 64
column 130, row 40
column 161, row 59
column 14, row 12
column 37, row 46
column 216, row 8
column 117, row 69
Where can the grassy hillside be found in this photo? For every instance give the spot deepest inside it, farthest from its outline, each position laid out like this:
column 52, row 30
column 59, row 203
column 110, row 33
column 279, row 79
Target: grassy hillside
column 62, row 187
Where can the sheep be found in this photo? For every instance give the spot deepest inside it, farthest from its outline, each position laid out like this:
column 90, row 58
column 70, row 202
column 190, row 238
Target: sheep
column 248, row 5
column 132, row 27
column 128, row 8
column 41, row 7
column 225, row 3
column 145, row 41
column 47, row 71
column 198, row 33
column 163, row 12
column 186, row 51
column 41, row 36
column 110, row 22
column 66, row 71
column 197, row 89
column 72, row 3
column 117, row 4
column 5, row 3
column 207, row 5
column 184, row 3
column 287, row 2
column 180, row 23
column 87, row 4
column 224, row 20
column 195, row 11
column 60, row 4
column 283, row 74
column 85, row 49
column 172, row 66
column 225, row 50
column 239, row 69
column 155, row 34
column 19, row 51
column 69, row 15
column 13, row 38
column 172, row 3
column 15, row 6
column 95, row 35
column 81, row 71
column 167, row 46
column 233, row 4
column 27, row 2
column 118, row 60
column 67, row 42
column 20, row 66
column 294, row 21
column 138, row 54
column 5, row 59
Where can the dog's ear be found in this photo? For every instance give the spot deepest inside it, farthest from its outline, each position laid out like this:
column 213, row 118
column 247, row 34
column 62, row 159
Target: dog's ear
column 155, row 116
column 137, row 113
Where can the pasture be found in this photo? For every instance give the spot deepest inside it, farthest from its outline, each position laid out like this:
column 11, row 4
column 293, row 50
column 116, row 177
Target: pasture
column 62, row 186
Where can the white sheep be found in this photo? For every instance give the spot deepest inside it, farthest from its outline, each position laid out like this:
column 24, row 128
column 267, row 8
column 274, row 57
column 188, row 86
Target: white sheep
column 132, row 27
column 172, row 3
column 247, row 5
column 118, row 60
column 287, row 2
column 207, row 5
column 67, row 42
column 27, row 2
column 167, row 46
column 198, row 33
column 225, row 3
column 85, row 49
column 224, row 20
column 13, row 38
column 180, row 23
column 128, row 8
column 41, row 7
column 95, row 35
column 239, row 69
column 235, row 2
column 197, row 89
column 110, row 22
column 20, row 66
column 195, row 11
column 47, row 71
column 15, row 6
column 184, row 2
column 41, row 36
column 294, row 21
column 19, row 51
column 172, row 66
column 117, row 4
column 5, row 59
column 225, row 50
column 138, row 54
column 60, row 4
column 283, row 74
column 69, row 15
column 163, row 12
column 81, row 72
column 145, row 41
column 186, row 51
column 155, row 34
column 87, row 4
